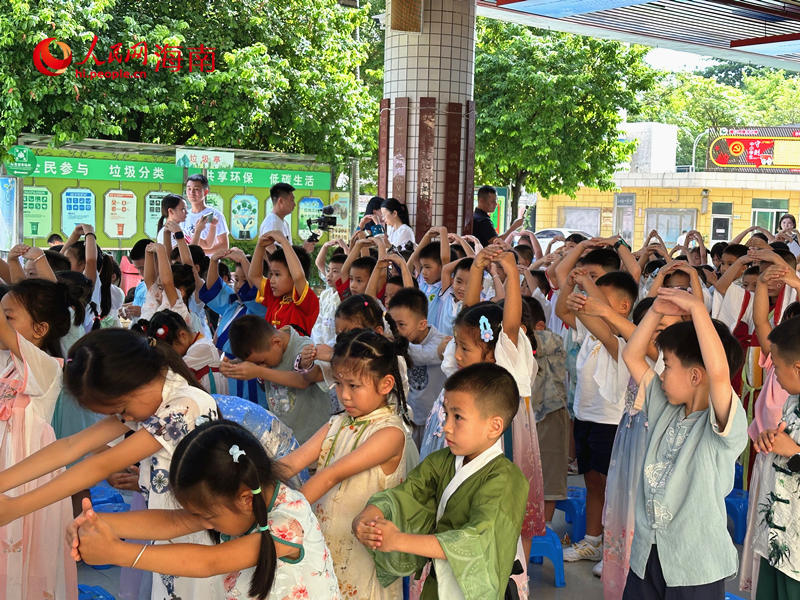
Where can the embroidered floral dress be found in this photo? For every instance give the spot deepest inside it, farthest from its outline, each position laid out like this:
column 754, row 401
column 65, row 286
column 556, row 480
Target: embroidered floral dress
column 310, row 576
column 182, row 408
column 776, row 535
column 34, row 564
column 336, row 510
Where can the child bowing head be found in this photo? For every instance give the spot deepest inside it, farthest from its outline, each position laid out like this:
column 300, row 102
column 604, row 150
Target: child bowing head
column 359, row 312
column 225, row 483
column 684, row 378
column 116, row 371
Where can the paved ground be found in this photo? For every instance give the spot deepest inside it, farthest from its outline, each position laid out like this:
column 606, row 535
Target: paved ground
column 581, row 584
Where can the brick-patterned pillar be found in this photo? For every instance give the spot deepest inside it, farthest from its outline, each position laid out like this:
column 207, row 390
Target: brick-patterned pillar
column 428, row 92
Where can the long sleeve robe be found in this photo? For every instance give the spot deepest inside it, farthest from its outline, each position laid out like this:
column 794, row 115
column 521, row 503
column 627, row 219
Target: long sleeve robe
column 478, row 530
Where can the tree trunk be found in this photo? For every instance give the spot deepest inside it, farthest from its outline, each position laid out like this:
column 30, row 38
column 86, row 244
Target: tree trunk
column 516, row 192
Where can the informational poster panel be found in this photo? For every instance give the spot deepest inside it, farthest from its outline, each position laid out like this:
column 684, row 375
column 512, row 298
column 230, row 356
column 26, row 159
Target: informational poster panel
column 152, row 212
column 244, row 217
column 37, row 207
column 755, row 149
column 340, row 201
column 308, row 208
column 120, row 214
column 8, row 214
column 215, row 200
column 77, row 207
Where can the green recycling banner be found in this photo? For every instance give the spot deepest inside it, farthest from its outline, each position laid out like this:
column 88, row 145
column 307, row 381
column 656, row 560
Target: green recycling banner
column 147, row 172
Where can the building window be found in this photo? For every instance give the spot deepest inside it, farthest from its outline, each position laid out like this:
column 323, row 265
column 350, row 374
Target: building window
column 767, row 212
column 581, row 219
column 623, row 215
column 670, row 222
column 721, row 215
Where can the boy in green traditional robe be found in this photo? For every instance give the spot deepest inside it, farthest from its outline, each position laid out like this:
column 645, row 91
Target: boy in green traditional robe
column 463, row 506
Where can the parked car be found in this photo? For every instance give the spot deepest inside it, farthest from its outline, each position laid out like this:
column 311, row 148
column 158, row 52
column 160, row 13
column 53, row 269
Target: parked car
column 545, row 235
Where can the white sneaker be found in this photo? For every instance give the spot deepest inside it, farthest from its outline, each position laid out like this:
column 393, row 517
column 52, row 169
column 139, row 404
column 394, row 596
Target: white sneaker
column 597, row 570
column 584, row 550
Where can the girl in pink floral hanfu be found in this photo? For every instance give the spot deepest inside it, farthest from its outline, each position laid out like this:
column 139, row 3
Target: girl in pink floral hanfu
column 34, row 317
column 270, row 545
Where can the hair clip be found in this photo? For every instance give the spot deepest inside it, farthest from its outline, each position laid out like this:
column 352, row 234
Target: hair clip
column 69, row 360
column 236, row 453
column 162, row 331
column 487, row 335
column 366, row 303
column 256, row 491
column 152, row 342
column 263, row 528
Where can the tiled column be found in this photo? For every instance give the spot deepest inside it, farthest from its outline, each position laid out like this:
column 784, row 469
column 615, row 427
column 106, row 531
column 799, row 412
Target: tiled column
column 428, row 88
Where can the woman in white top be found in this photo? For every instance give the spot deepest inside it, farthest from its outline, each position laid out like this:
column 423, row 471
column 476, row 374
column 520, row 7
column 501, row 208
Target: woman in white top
column 395, row 215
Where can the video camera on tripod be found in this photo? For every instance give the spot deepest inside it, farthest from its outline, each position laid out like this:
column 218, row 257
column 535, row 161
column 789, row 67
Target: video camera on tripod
column 323, row 223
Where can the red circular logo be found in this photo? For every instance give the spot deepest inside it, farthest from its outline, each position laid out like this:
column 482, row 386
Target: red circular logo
column 42, row 59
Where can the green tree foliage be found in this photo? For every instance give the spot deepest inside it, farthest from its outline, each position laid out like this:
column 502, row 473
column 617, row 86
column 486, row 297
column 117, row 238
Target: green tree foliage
column 695, row 102
column 548, row 106
column 285, row 77
column 732, row 73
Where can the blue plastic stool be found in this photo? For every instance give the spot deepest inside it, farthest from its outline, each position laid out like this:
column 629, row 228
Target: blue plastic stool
column 112, row 507
column 729, row 596
column 738, row 477
column 549, row 545
column 93, row 592
column 104, row 494
column 736, row 507
column 574, row 508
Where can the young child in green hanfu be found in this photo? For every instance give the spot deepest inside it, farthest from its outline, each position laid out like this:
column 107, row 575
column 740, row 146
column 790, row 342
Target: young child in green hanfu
column 463, row 506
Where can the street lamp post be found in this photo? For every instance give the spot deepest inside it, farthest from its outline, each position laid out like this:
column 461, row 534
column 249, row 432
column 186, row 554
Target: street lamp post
column 694, row 148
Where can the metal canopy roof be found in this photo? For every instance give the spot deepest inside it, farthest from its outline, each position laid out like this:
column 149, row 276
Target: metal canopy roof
column 705, row 27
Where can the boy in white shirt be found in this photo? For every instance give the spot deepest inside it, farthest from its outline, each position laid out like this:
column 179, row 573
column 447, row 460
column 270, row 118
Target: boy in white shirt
column 409, row 310
column 427, row 261
column 324, row 331
column 602, row 378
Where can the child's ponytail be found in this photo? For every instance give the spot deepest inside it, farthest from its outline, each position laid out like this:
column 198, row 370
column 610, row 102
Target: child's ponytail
column 79, row 290
column 105, row 266
column 211, row 464
column 264, row 575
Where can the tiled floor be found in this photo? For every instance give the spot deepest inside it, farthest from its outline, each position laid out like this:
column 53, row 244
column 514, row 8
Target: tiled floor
column 581, row 584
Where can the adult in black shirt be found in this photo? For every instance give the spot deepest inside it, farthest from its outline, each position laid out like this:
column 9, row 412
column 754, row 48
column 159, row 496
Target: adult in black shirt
column 482, row 227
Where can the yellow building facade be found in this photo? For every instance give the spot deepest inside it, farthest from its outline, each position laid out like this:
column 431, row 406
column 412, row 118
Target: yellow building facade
column 718, row 205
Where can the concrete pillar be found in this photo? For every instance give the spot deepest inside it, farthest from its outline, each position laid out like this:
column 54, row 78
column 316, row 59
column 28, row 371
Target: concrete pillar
column 427, row 125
